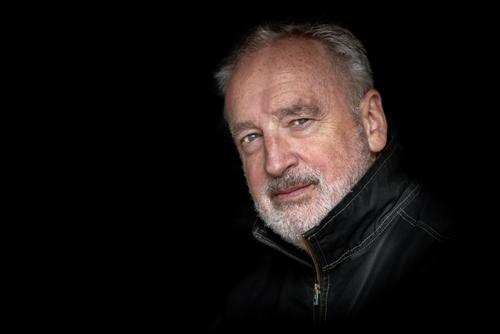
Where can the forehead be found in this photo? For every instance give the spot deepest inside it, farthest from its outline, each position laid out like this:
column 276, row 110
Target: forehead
column 278, row 75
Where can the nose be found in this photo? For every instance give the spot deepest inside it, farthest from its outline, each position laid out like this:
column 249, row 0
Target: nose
column 278, row 156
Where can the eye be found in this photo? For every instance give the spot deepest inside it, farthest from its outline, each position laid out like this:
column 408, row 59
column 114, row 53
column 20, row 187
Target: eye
column 249, row 138
column 300, row 121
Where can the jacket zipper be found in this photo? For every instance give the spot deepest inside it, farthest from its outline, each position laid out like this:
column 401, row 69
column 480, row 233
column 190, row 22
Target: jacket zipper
column 317, row 286
column 317, row 289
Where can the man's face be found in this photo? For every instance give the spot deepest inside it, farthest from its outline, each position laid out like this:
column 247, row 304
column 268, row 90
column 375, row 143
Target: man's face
column 301, row 149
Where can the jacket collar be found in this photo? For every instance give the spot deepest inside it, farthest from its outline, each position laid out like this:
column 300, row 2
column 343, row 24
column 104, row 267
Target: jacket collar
column 358, row 219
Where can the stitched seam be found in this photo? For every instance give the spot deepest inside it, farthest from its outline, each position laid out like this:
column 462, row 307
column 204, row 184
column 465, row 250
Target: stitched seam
column 314, row 312
column 426, row 228
column 411, row 199
column 372, row 237
column 321, row 250
column 362, row 189
column 326, row 297
column 414, row 225
column 409, row 221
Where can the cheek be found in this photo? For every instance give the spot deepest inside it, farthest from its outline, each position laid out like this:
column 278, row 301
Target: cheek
column 254, row 177
column 326, row 156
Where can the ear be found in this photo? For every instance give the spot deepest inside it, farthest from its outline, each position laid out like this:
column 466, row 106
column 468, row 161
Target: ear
column 371, row 114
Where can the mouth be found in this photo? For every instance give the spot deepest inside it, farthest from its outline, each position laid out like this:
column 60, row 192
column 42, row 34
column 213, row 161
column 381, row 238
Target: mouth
column 291, row 192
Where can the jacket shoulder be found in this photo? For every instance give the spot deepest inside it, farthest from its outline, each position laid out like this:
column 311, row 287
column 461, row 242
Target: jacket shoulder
column 433, row 215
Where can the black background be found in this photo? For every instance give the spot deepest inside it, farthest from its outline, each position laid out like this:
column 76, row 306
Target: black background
column 156, row 216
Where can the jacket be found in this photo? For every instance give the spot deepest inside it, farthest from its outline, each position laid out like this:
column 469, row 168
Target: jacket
column 388, row 253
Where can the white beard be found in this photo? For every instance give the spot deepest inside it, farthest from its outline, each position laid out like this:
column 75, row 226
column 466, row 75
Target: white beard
column 293, row 219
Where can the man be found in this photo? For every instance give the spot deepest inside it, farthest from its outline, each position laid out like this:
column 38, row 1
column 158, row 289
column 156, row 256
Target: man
column 358, row 241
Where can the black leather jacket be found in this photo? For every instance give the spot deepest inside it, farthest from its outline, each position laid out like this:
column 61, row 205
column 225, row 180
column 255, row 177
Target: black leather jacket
column 386, row 255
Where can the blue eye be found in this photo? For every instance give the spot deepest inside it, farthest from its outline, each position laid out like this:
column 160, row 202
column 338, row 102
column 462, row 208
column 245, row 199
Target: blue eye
column 250, row 138
column 300, row 121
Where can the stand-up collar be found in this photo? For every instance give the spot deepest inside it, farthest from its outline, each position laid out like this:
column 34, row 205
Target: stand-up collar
column 358, row 219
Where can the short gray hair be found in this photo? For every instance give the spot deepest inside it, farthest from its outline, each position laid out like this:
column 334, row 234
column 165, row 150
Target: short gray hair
column 350, row 63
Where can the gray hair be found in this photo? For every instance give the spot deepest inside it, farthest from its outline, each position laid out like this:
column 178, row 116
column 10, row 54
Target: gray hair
column 350, row 64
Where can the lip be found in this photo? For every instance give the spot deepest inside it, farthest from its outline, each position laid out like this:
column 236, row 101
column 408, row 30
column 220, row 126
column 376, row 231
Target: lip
column 292, row 191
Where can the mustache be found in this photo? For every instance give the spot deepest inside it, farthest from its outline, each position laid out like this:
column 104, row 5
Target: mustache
column 290, row 179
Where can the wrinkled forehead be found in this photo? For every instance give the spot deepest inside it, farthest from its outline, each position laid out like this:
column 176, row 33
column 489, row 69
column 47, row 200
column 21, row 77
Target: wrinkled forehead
column 290, row 69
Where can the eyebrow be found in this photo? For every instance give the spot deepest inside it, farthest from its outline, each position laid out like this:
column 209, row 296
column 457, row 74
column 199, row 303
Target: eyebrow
column 241, row 127
column 298, row 109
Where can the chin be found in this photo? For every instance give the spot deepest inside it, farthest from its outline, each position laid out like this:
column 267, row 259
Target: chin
column 291, row 224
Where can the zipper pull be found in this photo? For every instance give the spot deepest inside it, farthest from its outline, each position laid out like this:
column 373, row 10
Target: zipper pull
column 317, row 288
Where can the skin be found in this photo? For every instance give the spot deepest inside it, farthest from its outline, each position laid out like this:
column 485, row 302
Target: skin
column 286, row 111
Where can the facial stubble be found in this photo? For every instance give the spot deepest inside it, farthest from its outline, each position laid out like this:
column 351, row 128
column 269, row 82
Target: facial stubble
column 292, row 218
